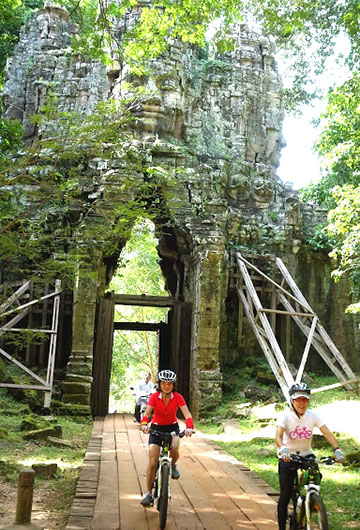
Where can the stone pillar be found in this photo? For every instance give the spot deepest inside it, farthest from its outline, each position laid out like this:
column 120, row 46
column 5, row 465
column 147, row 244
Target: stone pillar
column 77, row 384
column 207, row 300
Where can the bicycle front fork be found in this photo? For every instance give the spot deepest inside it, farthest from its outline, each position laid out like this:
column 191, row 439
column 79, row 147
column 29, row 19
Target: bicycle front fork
column 167, row 460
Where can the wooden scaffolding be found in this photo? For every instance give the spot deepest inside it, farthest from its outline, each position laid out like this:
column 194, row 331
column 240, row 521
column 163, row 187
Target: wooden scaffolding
column 17, row 311
column 260, row 297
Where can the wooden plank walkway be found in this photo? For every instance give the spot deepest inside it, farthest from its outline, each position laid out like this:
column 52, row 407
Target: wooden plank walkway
column 215, row 491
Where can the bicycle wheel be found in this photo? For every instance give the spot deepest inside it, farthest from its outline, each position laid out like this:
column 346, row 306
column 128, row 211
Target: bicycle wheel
column 292, row 522
column 164, row 495
column 318, row 517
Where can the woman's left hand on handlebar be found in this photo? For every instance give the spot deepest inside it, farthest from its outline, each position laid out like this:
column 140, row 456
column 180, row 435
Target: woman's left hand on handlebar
column 188, row 432
column 145, row 428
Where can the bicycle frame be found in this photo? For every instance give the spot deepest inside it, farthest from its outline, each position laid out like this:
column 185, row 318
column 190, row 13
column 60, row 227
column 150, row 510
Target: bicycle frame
column 164, row 458
column 162, row 490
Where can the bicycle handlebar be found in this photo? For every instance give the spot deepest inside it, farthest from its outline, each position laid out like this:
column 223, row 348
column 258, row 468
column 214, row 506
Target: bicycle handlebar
column 308, row 461
column 165, row 435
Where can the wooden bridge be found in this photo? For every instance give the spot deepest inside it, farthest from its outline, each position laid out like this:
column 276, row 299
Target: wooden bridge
column 215, row 491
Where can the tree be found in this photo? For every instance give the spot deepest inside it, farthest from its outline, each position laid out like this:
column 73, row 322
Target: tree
column 48, row 192
column 344, row 225
column 13, row 13
column 339, row 188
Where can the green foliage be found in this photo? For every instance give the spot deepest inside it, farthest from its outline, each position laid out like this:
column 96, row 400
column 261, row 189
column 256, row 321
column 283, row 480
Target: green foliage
column 339, row 188
column 321, row 239
column 158, row 26
column 13, row 13
column 339, row 142
column 17, row 453
column 10, row 137
column 49, row 193
column 339, row 487
column 344, row 225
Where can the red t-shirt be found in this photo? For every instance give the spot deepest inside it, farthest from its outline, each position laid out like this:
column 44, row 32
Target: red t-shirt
column 165, row 414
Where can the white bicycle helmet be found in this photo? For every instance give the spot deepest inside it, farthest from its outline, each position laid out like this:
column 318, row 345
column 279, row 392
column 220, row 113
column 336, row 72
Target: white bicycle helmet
column 299, row 390
column 167, row 375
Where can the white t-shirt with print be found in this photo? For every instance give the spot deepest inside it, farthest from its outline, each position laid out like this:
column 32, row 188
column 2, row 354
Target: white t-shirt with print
column 298, row 432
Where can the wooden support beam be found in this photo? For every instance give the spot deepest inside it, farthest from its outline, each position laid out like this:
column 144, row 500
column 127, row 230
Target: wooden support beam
column 266, row 326
column 14, row 297
column 13, row 321
column 319, row 348
column 48, row 331
column 238, row 256
column 356, row 380
column 265, row 331
column 28, row 304
column 280, row 312
column 306, row 351
column 264, row 346
column 22, row 366
column 29, row 387
column 139, row 326
column 144, row 300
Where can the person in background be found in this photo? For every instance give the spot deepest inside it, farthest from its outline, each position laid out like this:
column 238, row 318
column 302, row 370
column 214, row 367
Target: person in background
column 142, row 388
column 165, row 404
column 294, row 432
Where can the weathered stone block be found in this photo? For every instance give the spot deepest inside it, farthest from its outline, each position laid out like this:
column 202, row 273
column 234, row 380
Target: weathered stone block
column 75, row 387
column 44, row 469
column 77, row 399
column 42, row 434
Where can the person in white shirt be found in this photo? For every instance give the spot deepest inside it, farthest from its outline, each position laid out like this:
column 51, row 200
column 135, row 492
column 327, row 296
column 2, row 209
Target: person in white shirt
column 144, row 387
column 294, row 432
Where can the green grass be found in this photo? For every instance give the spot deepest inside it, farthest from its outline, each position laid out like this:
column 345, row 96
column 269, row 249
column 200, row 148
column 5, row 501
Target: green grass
column 340, row 485
column 17, row 453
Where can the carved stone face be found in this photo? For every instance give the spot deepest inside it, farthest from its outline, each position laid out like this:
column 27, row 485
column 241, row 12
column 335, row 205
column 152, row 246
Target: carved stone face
column 162, row 111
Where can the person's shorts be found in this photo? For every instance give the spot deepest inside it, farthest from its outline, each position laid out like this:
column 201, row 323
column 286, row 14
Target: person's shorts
column 153, row 439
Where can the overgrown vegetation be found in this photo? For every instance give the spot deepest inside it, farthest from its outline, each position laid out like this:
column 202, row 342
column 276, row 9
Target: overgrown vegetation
column 340, row 485
column 16, row 453
column 52, row 211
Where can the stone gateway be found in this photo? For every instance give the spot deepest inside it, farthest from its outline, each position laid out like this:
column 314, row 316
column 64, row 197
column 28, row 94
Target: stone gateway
column 214, row 121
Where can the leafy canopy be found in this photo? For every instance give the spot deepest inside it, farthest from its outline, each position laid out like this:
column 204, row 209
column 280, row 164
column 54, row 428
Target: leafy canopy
column 339, row 188
column 51, row 209
column 344, row 225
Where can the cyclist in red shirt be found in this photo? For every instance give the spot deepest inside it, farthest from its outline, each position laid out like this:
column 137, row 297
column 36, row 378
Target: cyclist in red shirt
column 165, row 404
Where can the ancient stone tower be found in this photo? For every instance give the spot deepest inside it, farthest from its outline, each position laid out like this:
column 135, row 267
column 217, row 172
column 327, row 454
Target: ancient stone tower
column 226, row 114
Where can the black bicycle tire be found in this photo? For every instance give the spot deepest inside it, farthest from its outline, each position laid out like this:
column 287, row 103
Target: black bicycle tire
column 164, row 495
column 317, row 507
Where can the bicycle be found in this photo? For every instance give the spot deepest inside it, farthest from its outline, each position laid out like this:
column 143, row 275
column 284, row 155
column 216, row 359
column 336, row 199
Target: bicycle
column 162, row 482
column 308, row 510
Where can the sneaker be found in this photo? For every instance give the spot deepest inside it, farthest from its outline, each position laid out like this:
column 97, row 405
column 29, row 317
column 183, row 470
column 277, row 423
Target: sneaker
column 175, row 474
column 148, row 500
